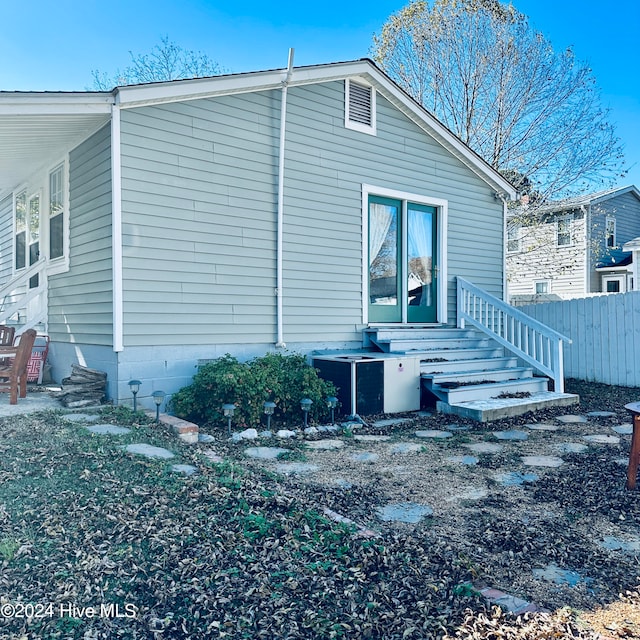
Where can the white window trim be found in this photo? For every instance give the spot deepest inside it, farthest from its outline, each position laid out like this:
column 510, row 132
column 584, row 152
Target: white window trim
column 517, row 239
column 23, row 188
column 442, row 212
column 569, row 218
column 606, row 232
column 61, row 264
column 535, row 287
column 358, row 126
column 621, row 278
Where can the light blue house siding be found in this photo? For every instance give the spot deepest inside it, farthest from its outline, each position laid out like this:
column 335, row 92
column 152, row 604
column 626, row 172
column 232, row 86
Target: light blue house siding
column 80, row 300
column 199, row 210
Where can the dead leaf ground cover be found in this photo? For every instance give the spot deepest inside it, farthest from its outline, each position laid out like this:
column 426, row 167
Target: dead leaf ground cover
column 238, row 551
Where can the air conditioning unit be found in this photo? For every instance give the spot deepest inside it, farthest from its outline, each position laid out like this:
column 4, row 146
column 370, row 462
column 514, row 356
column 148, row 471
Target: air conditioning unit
column 372, row 384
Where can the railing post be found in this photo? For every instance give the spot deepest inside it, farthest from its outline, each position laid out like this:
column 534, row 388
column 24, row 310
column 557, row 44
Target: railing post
column 459, row 304
column 558, row 367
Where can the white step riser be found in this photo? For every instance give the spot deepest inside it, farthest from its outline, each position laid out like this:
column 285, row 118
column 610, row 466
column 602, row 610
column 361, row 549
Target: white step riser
column 459, row 354
column 422, row 334
column 400, row 346
column 498, row 375
column 464, row 366
column 482, row 392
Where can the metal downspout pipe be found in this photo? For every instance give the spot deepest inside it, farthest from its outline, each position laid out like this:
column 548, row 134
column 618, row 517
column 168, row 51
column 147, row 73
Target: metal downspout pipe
column 280, row 222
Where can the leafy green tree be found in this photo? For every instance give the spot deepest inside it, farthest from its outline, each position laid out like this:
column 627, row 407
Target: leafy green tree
column 166, row 61
column 531, row 112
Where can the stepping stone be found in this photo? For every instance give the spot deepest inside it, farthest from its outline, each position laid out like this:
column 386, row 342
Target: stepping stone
column 285, row 433
column 325, row 444
column 296, row 468
column 406, row 447
column 186, row 469
column 570, row 447
column 510, row 435
column 485, row 447
column 474, row 493
column 542, row 427
column 265, row 453
column 247, row 434
column 515, row 478
column 457, row 427
column 434, row 433
column 149, row 451
column 542, row 461
column 616, row 544
column 212, row 456
column 601, row 414
column 367, row 438
column 409, row 512
column 392, row 422
column 602, row 439
column 205, row 437
column 468, row 460
column 569, row 419
column 108, row 429
column 82, row 417
column 555, row 574
column 624, row 429
column 365, row 456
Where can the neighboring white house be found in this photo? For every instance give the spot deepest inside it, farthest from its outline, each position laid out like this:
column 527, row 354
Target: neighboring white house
column 574, row 248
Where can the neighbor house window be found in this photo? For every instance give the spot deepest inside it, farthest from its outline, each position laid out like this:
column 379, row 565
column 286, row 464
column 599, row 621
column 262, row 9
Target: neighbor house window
column 56, row 213
column 542, row 286
column 360, row 107
column 513, row 238
column 563, row 232
column 611, row 232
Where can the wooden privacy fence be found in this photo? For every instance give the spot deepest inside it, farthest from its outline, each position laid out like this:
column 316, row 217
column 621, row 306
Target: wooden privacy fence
column 604, row 332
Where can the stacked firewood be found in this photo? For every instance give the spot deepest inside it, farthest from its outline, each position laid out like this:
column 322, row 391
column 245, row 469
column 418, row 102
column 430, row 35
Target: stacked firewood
column 83, row 388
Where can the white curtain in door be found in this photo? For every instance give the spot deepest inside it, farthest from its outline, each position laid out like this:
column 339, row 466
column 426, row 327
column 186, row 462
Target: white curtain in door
column 380, row 219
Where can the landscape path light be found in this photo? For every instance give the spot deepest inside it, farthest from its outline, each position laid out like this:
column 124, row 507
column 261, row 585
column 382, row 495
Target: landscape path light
column 269, row 408
column 305, row 405
column 228, row 410
column 158, row 398
column 332, row 403
column 134, row 386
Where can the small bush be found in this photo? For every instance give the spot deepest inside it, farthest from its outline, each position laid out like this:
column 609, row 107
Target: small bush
column 283, row 379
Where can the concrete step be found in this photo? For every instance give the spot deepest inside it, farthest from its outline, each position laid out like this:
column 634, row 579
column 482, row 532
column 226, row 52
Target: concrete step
column 488, row 391
column 464, row 366
column 498, row 408
column 442, row 355
column 402, row 345
column 421, row 333
column 495, row 375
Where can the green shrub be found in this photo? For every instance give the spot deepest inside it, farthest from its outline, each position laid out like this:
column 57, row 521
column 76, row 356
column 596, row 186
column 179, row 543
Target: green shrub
column 283, row 379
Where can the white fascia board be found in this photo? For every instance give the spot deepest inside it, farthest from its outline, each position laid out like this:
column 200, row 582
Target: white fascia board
column 632, row 245
column 20, row 104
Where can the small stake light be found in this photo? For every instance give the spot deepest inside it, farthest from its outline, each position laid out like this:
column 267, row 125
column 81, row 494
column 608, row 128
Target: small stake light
column 227, row 410
column 134, row 386
column 269, row 408
column 332, row 403
column 305, row 405
column 158, row 398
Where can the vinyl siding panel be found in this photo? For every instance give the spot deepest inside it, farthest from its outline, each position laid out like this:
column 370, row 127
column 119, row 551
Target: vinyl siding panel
column 81, row 300
column 200, row 210
column 6, row 239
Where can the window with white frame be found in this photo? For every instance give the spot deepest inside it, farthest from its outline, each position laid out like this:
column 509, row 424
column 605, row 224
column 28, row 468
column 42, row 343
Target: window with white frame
column 360, row 107
column 56, row 213
column 513, row 238
column 20, row 239
column 563, row 231
column 610, row 232
column 542, row 287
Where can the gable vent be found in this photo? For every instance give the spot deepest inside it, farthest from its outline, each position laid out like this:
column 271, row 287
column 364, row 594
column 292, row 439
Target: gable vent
column 360, row 107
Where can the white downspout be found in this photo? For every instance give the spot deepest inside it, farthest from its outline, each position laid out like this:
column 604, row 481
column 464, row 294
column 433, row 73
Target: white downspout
column 279, row 245
column 116, row 228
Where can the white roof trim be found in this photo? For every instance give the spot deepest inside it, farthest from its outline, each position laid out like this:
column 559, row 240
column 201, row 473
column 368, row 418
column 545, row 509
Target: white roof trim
column 55, row 104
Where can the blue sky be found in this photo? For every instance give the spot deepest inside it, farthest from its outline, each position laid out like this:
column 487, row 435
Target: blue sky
column 47, row 45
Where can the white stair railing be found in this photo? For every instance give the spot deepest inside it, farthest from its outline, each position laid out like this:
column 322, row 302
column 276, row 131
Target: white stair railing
column 16, row 295
column 534, row 342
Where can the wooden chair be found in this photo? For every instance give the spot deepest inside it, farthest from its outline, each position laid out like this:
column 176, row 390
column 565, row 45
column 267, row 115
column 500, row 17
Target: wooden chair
column 6, row 335
column 13, row 370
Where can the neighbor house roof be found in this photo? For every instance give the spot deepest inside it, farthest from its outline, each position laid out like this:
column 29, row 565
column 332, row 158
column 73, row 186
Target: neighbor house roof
column 590, row 199
column 37, row 127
